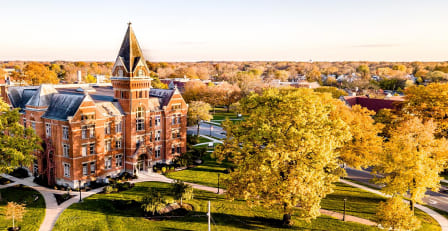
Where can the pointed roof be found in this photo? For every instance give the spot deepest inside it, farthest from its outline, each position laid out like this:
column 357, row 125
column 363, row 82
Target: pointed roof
column 130, row 52
column 42, row 97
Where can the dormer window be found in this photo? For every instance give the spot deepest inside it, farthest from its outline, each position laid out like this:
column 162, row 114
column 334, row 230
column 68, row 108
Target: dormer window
column 120, row 73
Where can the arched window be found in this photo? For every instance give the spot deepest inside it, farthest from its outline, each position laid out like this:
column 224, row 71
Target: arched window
column 140, row 117
column 120, row 73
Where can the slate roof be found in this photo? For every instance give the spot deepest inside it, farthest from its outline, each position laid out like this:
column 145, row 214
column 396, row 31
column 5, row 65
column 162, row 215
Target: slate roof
column 63, row 105
column 42, row 96
column 130, row 52
column 164, row 95
column 19, row 96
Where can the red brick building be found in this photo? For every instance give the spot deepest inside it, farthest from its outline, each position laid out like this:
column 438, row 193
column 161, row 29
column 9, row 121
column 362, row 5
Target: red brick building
column 94, row 132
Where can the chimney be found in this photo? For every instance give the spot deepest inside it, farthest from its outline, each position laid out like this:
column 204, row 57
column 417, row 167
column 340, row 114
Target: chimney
column 79, row 77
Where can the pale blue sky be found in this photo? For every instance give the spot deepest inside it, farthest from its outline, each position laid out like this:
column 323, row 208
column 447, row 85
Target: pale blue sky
column 168, row 30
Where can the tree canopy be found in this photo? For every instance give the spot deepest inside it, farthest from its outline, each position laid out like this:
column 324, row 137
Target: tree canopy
column 17, row 144
column 285, row 152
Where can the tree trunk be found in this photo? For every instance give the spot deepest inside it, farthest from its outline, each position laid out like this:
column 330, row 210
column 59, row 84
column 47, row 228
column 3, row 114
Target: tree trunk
column 287, row 219
column 411, row 204
column 228, row 108
column 198, row 129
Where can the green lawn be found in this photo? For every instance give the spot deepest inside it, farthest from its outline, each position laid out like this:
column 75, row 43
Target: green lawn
column 35, row 210
column 204, row 140
column 204, row 174
column 121, row 212
column 221, row 114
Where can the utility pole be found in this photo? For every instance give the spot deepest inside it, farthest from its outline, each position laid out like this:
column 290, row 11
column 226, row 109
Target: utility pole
column 218, row 183
column 345, row 200
column 209, row 215
column 79, row 187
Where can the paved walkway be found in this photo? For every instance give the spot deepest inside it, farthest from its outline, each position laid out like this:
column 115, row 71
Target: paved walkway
column 52, row 209
column 443, row 222
column 340, row 216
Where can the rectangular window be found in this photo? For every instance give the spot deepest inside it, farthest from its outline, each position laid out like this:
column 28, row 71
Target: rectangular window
column 24, row 122
column 107, row 128
column 158, row 133
column 92, row 149
column 122, row 94
column 108, row 146
column 174, row 119
column 65, row 132
column 178, row 134
column 140, row 124
column 66, row 170
column 92, row 168
column 92, row 131
column 173, row 149
column 150, row 122
column 118, row 160
column 157, row 122
column 118, row 127
column 33, row 125
column 175, row 106
column 158, row 151
column 48, row 129
column 84, row 169
column 179, row 149
column 118, row 143
column 83, row 132
column 84, row 150
column 65, row 150
column 178, row 119
column 173, row 134
column 108, row 162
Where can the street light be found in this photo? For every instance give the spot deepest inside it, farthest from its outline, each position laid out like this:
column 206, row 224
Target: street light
column 345, row 200
column 218, row 183
column 211, row 129
column 79, row 187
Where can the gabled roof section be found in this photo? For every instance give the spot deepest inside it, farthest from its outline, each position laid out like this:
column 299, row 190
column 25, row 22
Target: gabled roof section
column 130, row 52
column 164, row 95
column 63, row 105
column 19, row 96
column 42, row 97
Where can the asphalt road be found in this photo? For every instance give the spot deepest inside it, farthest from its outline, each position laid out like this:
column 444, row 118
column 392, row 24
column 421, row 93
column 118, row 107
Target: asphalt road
column 204, row 129
column 434, row 199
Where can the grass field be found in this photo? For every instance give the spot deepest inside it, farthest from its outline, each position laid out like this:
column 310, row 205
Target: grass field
column 204, row 174
column 203, row 140
column 221, row 114
column 120, row 212
column 35, row 210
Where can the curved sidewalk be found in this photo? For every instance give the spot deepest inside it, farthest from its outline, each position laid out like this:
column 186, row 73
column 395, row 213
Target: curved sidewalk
column 52, row 209
column 443, row 222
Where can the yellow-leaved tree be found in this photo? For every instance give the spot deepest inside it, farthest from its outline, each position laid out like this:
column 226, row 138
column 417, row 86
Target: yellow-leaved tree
column 285, row 152
column 412, row 160
column 395, row 214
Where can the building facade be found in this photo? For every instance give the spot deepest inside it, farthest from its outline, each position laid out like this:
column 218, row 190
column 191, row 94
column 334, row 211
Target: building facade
column 92, row 132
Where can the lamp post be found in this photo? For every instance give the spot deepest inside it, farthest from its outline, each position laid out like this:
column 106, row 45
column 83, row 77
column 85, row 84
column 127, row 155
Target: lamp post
column 345, row 201
column 218, row 183
column 79, row 188
column 211, row 129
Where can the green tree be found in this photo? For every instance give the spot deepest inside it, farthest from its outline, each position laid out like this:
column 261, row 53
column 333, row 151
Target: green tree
column 197, row 111
column 152, row 202
column 335, row 92
column 17, row 144
column 156, row 83
column 394, row 214
column 412, row 160
column 285, row 151
column 90, row 79
column 182, row 191
column 364, row 70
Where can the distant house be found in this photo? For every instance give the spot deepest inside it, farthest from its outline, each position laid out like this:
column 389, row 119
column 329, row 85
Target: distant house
column 372, row 103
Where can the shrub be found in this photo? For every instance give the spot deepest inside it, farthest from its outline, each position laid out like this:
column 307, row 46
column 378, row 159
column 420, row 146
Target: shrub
column 192, row 139
column 20, row 173
column 108, row 189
